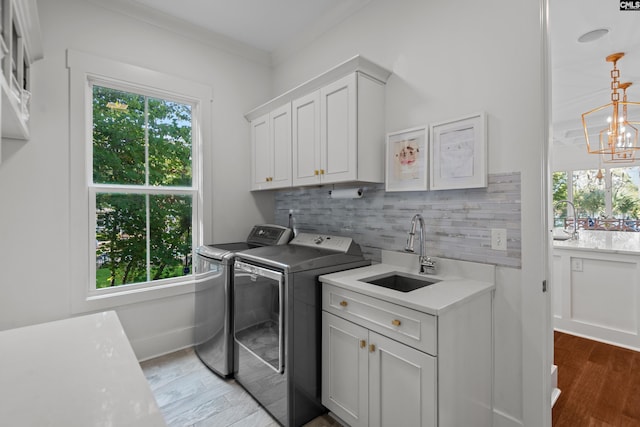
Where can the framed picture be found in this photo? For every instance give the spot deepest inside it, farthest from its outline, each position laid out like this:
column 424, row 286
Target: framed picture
column 458, row 153
column 407, row 160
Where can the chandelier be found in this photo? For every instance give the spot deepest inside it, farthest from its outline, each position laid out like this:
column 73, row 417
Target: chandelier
column 610, row 130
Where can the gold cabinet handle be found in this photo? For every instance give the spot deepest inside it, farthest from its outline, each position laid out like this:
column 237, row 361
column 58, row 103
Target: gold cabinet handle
column 321, row 171
column 372, row 348
column 363, row 343
column 316, row 172
column 343, row 303
column 396, row 322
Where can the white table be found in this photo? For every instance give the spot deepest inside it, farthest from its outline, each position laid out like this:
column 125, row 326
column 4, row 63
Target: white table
column 74, row 372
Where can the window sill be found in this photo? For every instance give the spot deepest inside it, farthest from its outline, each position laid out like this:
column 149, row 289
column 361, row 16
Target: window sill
column 105, row 301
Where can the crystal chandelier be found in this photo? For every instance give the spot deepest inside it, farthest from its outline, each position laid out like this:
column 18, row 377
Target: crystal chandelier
column 610, row 129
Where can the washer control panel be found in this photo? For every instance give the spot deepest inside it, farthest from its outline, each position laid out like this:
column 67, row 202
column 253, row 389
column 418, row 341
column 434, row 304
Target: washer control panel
column 325, row 241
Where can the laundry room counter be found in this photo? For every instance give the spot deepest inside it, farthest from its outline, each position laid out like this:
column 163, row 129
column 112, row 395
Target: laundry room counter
column 74, row 372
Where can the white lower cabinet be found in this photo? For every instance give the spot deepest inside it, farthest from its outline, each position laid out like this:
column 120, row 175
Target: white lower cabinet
column 386, row 365
column 371, row 380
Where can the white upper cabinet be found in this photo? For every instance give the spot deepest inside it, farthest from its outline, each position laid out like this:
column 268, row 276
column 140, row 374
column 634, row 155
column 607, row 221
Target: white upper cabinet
column 306, row 139
column 21, row 46
column 271, row 149
column 337, row 127
column 339, row 131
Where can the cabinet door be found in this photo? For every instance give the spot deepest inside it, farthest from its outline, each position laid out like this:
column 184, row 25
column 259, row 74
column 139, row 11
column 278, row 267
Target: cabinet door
column 260, row 153
column 339, row 130
column 271, row 150
column 345, row 370
column 306, row 139
column 280, row 141
column 402, row 385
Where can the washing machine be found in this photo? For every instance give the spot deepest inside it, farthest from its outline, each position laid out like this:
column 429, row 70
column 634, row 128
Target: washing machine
column 214, row 291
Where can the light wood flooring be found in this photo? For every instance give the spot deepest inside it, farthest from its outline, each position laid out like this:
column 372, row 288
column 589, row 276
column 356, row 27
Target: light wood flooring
column 190, row 395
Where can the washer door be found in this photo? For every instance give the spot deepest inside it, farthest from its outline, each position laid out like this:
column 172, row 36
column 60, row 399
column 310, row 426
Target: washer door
column 259, row 313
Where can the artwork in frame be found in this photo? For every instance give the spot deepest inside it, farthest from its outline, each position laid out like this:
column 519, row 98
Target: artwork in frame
column 458, row 153
column 407, row 160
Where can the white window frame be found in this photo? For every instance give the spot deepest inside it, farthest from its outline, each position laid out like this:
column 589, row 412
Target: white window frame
column 84, row 71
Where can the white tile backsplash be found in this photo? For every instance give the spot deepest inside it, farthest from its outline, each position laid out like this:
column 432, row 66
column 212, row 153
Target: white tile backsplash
column 458, row 222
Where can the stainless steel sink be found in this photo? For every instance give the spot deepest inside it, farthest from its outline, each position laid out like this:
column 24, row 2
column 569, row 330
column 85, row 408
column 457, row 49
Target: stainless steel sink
column 402, row 282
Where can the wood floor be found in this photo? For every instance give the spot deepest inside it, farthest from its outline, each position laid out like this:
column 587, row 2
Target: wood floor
column 600, row 384
column 190, row 395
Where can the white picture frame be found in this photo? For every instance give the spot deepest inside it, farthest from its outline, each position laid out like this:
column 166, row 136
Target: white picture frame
column 458, row 156
column 406, row 160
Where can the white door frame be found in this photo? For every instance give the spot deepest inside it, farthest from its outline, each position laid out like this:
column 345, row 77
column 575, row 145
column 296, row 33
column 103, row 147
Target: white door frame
column 537, row 333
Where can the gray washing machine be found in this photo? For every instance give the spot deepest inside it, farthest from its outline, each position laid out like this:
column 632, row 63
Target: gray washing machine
column 213, row 304
column 277, row 321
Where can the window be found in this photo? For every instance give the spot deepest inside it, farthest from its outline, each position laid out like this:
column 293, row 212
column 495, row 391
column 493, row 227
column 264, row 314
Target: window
column 136, row 185
column 606, row 199
column 589, row 193
column 141, row 187
column 625, row 201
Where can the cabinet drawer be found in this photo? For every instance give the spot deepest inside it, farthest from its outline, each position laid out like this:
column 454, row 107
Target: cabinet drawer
column 416, row 329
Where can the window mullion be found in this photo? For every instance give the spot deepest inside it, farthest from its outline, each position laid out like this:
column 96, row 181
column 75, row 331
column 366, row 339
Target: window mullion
column 146, row 140
column 148, row 234
column 608, row 193
column 146, row 180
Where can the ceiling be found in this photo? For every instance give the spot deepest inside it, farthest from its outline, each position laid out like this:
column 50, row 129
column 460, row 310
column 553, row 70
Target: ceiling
column 580, row 74
column 268, row 25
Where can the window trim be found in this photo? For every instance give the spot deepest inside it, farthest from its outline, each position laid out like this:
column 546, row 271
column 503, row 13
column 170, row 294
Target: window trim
column 85, row 70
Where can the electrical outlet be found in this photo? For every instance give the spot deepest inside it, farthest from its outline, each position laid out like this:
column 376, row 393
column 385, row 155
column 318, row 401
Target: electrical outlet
column 499, row 239
column 576, row 264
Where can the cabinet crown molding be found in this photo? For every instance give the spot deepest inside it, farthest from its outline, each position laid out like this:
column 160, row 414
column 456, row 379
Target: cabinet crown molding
column 356, row 64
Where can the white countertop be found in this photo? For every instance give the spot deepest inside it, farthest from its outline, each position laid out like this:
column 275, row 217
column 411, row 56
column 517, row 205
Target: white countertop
column 74, row 372
column 626, row 242
column 434, row 299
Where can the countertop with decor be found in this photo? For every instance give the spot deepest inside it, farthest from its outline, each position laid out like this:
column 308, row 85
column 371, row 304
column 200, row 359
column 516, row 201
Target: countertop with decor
column 74, row 372
column 622, row 242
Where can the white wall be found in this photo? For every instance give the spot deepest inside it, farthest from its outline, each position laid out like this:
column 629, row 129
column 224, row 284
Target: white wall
column 34, row 175
column 576, row 157
column 450, row 59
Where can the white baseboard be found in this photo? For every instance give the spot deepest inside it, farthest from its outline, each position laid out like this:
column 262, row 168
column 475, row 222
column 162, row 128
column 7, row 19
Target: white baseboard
column 158, row 345
column 555, row 394
column 555, row 391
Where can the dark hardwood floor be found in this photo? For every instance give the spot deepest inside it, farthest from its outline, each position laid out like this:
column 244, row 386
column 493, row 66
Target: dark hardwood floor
column 600, row 384
column 190, row 395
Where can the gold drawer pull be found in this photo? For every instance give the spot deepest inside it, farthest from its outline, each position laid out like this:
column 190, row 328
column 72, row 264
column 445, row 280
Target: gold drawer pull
column 343, row 303
column 396, row 322
column 363, row 343
column 316, row 172
column 321, row 171
column 372, row 348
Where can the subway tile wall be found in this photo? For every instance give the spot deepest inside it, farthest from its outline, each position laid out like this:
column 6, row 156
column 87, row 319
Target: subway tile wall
column 458, row 222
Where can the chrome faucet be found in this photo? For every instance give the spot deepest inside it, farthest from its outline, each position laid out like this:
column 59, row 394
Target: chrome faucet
column 574, row 235
column 427, row 265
